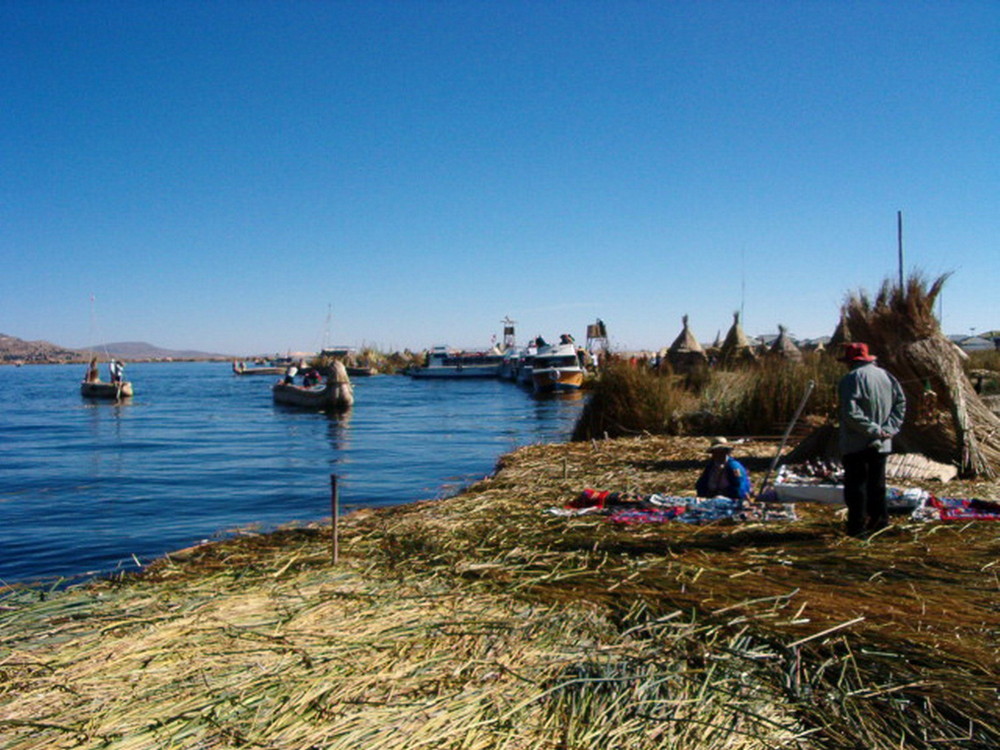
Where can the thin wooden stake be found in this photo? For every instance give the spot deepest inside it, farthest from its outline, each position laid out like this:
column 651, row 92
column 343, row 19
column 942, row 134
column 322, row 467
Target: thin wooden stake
column 335, row 519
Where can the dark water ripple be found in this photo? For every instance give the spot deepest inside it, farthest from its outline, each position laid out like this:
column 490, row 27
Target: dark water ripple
column 91, row 487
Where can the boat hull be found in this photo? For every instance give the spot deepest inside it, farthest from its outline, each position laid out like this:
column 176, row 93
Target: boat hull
column 556, row 368
column 555, row 380
column 445, row 363
column 457, row 371
column 330, row 397
column 259, row 371
column 100, row 389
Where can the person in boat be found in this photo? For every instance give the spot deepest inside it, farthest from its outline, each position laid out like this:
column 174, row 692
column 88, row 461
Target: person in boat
column 290, row 374
column 117, row 369
column 723, row 475
column 92, row 375
column 310, row 377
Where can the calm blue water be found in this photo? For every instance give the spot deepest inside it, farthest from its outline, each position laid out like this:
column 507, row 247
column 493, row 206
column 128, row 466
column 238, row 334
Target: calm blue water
column 91, row 487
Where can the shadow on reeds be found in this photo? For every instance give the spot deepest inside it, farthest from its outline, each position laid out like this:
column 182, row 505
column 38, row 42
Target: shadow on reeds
column 751, row 463
column 625, row 542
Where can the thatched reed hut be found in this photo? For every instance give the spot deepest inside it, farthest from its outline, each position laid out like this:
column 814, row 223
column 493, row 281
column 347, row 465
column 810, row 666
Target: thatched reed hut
column 784, row 348
column 840, row 335
column 686, row 354
column 737, row 347
column 946, row 419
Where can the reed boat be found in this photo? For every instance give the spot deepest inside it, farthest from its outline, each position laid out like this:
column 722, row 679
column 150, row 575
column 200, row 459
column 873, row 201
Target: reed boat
column 442, row 362
column 103, row 390
column 240, row 368
column 556, row 367
column 93, row 387
column 334, row 395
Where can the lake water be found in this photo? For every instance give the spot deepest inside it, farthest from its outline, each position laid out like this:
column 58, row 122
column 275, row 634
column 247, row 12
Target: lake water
column 92, row 487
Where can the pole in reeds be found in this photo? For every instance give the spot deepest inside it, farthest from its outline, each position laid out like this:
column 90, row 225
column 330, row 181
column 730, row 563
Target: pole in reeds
column 788, row 431
column 334, row 519
column 899, row 238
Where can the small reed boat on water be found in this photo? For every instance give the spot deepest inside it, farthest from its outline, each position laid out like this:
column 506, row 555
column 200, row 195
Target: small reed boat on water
column 93, row 387
column 240, row 368
column 336, row 394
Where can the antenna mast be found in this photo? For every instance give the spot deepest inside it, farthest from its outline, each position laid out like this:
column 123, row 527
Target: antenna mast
column 899, row 238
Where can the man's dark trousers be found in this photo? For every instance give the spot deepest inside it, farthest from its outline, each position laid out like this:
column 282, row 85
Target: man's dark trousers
column 864, row 491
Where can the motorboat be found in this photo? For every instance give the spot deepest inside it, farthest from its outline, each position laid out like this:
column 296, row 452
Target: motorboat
column 442, row 362
column 556, row 367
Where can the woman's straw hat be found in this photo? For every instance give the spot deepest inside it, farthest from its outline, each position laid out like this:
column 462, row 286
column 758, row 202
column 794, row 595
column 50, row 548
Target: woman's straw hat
column 720, row 444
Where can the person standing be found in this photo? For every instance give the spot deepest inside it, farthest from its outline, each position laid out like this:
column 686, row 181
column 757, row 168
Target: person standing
column 117, row 368
column 872, row 406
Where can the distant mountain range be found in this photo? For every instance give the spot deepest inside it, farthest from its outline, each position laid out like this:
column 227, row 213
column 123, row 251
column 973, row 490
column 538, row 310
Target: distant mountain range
column 138, row 350
column 13, row 350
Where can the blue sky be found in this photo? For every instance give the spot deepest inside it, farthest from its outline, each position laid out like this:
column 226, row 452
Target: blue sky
column 226, row 176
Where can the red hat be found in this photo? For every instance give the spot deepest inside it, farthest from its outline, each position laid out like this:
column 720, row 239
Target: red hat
column 857, row 352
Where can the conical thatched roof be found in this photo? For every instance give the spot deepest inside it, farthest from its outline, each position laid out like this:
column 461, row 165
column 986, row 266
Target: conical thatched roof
column 737, row 346
column 783, row 346
column 840, row 335
column 686, row 341
column 686, row 352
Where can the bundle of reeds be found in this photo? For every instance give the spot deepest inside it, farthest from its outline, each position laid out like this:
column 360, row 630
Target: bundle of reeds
column 762, row 398
column 630, row 400
column 900, row 328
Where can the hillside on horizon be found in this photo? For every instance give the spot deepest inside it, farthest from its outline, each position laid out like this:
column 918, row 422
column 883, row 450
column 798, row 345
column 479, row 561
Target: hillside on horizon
column 143, row 350
column 13, row 349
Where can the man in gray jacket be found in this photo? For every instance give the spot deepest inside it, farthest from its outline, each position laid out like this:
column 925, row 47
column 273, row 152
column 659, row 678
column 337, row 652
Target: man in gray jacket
column 872, row 407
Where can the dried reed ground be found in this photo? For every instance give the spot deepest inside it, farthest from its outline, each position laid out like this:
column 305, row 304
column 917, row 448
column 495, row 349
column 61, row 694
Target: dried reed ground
column 479, row 622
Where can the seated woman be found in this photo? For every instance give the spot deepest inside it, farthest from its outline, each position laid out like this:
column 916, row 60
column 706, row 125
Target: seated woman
column 724, row 475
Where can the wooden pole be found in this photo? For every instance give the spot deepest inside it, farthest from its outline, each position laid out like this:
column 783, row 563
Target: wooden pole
column 335, row 519
column 784, row 438
column 899, row 237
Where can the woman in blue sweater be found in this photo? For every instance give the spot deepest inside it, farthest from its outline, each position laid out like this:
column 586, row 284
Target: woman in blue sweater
column 723, row 476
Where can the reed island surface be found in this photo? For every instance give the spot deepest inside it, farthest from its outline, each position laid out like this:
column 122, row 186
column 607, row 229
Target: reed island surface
column 480, row 621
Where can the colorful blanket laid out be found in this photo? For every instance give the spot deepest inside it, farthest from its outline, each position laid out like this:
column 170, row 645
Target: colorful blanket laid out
column 630, row 508
column 957, row 509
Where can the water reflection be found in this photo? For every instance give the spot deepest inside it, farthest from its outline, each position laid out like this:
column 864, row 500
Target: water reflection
column 338, row 431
